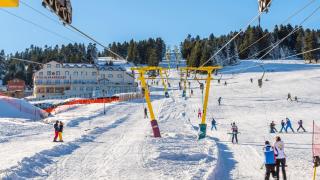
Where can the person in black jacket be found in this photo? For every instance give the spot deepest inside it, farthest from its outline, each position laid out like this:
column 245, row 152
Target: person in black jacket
column 56, row 131
column 60, row 131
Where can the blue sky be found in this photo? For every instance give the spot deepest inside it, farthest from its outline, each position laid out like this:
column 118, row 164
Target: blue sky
column 122, row 20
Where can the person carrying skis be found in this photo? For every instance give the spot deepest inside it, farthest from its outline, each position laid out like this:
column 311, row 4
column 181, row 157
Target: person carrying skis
column 272, row 127
column 213, row 124
column 56, row 131
column 280, row 158
column 288, row 125
column 199, row 113
column 235, row 132
column 219, row 101
column 269, row 160
column 283, row 126
column 300, row 123
column 60, row 131
column 145, row 112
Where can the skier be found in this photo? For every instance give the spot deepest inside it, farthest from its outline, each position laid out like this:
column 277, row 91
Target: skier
column 289, row 97
column 191, row 92
column 60, row 131
column 145, row 112
column 235, row 132
column 225, row 83
column 280, row 158
column 219, row 101
column 219, row 81
column 269, row 160
column 283, row 126
column 213, row 124
column 199, row 113
column 56, row 131
column 296, row 98
column 251, row 80
column 300, row 126
column 288, row 125
column 272, row 127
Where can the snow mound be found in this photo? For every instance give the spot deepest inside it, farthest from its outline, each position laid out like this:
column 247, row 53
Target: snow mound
column 18, row 108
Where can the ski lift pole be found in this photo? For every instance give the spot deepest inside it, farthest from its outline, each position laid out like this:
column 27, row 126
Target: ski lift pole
column 154, row 123
column 164, row 84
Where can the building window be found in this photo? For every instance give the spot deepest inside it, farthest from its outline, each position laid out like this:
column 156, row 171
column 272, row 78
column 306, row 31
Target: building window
column 40, row 73
column 102, row 76
column 75, row 73
column 97, row 88
column 49, row 73
column 48, row 65
column 66, row 81
column 94, row 73
column 119, row 75
column 57, row 65
column 57, row 81
column 110, row 76
column 81, row 88
column 48, row 82
column 58, row 73
column 67, row 73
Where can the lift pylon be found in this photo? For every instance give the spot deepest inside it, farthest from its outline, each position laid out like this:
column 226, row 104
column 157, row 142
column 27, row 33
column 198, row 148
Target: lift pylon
column 142, row 71
column 209, row 70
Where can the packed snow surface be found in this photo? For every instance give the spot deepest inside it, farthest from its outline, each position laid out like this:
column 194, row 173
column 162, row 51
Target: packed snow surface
column 119, row 144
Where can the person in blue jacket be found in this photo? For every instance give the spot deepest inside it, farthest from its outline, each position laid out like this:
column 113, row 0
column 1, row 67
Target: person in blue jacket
column 269, row 160
column 213, row 124
column 288, row 125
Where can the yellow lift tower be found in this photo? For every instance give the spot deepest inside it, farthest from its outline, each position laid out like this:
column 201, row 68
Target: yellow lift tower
column 209, row 70
column 142, row 71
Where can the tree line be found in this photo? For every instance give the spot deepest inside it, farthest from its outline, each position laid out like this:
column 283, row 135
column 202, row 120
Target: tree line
column 198, row 50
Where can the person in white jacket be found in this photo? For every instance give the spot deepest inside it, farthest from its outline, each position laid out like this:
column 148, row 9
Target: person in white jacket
column 280, row 157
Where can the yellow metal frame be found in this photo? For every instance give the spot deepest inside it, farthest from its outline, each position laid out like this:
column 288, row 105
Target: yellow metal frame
column 209, row 70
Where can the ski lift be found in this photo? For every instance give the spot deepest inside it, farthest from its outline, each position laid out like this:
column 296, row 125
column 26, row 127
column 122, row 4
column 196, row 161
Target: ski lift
column 61, row 8
column 264, row 6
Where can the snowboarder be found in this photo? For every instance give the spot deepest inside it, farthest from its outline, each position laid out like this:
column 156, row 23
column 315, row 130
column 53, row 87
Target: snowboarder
column 283, row 126
column 56, row 131
column 213, row 124
column 199, row 113
column 235, row 132
column 219, row 101
column 145, row 112
column 269, row 160
column 272, row 127
column 288, row 125
column 280, row 157
column 300, row 123
column 60, row 131
column 289, row 97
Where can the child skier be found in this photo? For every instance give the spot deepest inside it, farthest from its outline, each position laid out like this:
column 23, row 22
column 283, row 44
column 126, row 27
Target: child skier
column 288, row 125
column 60, row 131
column 56, row 131
column 235, row 132
column 283, row 126
column 272, row 127
column 199, row 113
column 213, row 124
column 300, row 126
column 269, row 160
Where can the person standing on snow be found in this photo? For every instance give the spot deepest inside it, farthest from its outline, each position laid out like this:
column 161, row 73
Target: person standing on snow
column 269, row 160
column 56, row 131
column 280, row 158
column 219, row 101
column 60, row 131
column 145, row 112
column 272, row 127
column 300, row 123
column 289, row 97
column 199, row 113
column 235, row 132
column 283, row 126
column 288, row 125
column 213, row 124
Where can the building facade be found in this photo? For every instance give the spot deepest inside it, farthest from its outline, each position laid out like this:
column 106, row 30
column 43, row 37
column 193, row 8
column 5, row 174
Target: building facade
column 82, row 80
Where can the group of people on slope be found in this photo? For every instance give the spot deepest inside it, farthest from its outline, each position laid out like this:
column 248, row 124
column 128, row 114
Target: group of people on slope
column 285, row 125
column 274, row 159
column 58, row 129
